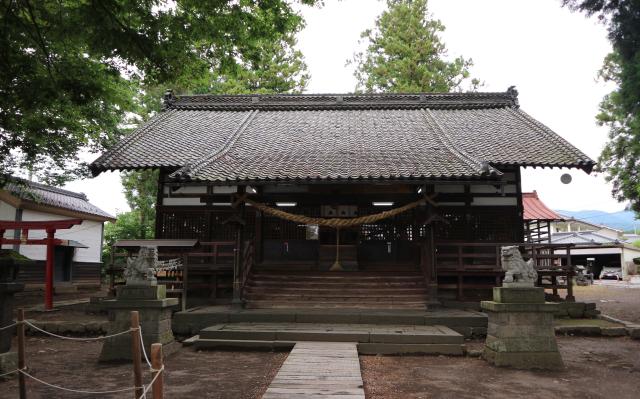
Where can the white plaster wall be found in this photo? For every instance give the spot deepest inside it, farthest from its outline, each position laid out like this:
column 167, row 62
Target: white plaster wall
column 7, row 212
column 88, row 233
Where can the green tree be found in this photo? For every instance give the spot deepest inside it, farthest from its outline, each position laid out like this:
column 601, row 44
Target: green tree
column 71, row 72
column 620, row 110
column 406, row 54
column 141, row 191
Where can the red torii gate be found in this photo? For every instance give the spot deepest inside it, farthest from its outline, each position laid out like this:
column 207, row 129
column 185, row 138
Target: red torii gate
column 50, row 227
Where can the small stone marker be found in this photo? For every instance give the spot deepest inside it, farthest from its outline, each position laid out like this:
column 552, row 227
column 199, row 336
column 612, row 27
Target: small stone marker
column 140, row 293
column 520, row 332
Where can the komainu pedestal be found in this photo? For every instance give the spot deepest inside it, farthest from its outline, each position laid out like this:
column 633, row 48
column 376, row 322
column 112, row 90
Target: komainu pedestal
column 155, row 320
column 520, row 333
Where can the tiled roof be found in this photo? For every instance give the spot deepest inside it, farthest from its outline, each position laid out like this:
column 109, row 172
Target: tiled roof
column 302, row 137
column 54, row 197
column 535, row 209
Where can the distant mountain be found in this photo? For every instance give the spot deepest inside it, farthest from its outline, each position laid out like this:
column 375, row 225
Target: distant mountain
column 622, row 220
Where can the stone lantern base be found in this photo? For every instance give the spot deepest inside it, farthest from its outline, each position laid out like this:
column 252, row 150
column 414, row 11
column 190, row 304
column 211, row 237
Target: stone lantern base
column 155, row 320
column 520, row 333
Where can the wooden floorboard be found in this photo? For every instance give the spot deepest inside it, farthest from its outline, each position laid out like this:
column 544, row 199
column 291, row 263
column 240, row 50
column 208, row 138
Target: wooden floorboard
column 323, row 370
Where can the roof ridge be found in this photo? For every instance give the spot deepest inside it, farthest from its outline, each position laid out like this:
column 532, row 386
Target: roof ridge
column 482, row 166
column 344, row 101
column 58, row 190
column 192, row 168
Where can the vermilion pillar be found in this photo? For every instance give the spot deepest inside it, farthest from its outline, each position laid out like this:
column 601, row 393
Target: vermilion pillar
column 48, row 294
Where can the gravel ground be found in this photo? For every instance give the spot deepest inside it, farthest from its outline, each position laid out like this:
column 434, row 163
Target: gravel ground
column 595, row 368
column 189, row 374
column 614, row 299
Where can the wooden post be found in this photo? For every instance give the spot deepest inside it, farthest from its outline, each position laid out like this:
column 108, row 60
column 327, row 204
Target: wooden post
column 136, row 354
column 185, row 279
column 48, row 295
column 156, row 363
column 570, row 297
column 21, row 358
column 237, row 265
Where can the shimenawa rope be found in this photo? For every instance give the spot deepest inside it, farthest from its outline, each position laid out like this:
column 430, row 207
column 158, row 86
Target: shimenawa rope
column 334, row 222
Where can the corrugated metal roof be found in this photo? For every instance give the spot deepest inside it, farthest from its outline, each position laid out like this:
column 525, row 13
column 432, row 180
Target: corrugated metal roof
column 317, row 137
column 582, row 238
column 535, row 209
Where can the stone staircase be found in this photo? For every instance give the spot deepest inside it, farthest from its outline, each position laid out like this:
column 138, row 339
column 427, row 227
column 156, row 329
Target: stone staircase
column 351, row 290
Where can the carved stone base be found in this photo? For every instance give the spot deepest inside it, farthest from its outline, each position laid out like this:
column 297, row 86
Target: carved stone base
column 520, row 332
column 155, row 320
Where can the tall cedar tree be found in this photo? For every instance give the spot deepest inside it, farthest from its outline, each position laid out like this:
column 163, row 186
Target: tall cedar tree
column 406, row 54
column 620, row 110
column 71, row 71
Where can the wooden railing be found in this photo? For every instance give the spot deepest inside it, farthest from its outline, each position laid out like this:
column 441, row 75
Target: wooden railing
column 476, row 265
column 206, row 263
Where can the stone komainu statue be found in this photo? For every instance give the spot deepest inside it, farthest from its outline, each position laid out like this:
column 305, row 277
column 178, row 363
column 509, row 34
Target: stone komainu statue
column 139, row 270
column 517, row 271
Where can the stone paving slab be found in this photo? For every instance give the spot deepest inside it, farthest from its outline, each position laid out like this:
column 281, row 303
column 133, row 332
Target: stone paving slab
column 319, row 370
column 364, row 333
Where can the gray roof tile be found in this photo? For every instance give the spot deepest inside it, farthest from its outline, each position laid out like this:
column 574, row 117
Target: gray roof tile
column 385, row 136
column 54, row 197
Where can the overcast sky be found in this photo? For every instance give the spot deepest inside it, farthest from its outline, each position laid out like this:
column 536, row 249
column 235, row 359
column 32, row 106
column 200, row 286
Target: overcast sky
column 550, row 54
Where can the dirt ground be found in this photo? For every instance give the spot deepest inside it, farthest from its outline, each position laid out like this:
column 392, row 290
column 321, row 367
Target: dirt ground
column 189, row 374
column 595, row 368
column 613, row 299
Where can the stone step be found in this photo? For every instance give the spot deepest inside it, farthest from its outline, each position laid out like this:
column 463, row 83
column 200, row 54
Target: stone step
column 363, row 348
column 335, row 284
column 364, row 333
column 345, row 291
column 285, row 304
column 337, row 296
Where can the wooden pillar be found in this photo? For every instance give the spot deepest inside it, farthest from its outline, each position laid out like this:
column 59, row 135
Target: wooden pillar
column 159, row 205
column 429, row 252
column 238, row 261
column 48, row 294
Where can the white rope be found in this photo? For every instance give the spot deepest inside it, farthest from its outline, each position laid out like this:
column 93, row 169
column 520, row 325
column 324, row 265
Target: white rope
column 144, row 351
column 76, row 390
column 75, row 338
column 9, row 373
column 146, row 389
column 9, row 326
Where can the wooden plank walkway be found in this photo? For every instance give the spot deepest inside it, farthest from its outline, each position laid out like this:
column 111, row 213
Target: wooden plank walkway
column 319, row 370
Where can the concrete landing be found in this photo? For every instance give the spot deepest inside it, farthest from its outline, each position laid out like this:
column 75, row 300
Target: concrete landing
column 319, row 370
column 370, row 338
column 192, row 321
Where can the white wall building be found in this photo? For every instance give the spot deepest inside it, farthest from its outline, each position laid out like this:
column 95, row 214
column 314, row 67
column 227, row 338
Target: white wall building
column 78, row 259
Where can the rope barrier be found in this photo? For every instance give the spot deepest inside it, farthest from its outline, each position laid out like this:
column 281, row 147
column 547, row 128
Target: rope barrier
column 9, row 326
column 9, row 373
column 76, row 390
column 144, row 351
column 146, row 389
column 76, row 338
